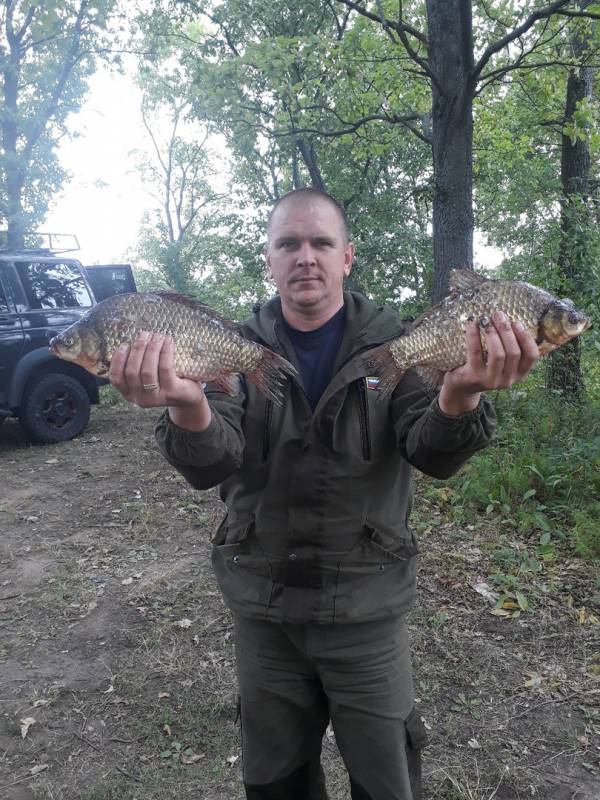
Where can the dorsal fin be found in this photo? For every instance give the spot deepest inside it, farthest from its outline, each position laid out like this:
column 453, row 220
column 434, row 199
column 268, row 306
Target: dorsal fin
column 197, row 305
column 462, row 280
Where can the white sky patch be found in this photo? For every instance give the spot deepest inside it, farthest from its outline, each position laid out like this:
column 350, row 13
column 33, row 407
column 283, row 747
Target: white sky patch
column 104, row 201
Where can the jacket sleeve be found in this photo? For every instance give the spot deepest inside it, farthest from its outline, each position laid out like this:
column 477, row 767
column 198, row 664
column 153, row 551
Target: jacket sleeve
column 433, row 442
column 208, row 457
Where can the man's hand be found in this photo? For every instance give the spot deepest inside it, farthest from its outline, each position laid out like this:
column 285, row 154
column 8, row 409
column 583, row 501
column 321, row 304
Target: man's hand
column 511, row 353
column 150, row 363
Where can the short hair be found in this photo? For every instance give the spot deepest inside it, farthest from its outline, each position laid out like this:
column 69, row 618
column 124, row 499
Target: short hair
column 311, row 193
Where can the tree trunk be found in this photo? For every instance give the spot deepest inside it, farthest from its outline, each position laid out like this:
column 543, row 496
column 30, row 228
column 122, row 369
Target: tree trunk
column 451, row 62
column 14, row 176
column 563, row 371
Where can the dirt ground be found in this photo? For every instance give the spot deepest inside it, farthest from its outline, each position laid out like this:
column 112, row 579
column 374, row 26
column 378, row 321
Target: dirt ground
column 116, row 665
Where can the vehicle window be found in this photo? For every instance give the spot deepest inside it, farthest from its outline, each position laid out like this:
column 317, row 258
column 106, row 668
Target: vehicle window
column 109, row 281
column 53, row 285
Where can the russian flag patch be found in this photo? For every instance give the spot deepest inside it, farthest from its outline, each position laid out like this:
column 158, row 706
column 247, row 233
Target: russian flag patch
column 372, row 383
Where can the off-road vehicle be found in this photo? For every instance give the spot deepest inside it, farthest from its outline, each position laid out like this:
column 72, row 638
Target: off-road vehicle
column 42, row 292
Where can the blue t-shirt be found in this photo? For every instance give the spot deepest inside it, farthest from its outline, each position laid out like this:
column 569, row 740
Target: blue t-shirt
column 316, row 352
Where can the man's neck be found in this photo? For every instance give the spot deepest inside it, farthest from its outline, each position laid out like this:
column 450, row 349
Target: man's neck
column 308, row 319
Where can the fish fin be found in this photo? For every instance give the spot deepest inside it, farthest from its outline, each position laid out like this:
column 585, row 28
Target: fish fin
column 431, row 376
column 197, row 305
column 271, row 374
column 228, row 382
column 380, row 361
column 464, row 280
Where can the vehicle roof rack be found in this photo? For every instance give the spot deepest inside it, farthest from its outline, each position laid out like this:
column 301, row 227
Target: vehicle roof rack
column 42, row 243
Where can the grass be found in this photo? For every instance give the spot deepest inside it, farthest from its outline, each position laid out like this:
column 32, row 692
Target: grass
column 540, row 476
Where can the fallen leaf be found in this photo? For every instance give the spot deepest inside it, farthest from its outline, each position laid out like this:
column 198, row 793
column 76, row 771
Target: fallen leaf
column 486, row 591
column 163, row 695
column 127, row 581
column 110, row 689
column 193, row 758
column 183, row 623
column 534, row 681
column 231, row 760
column 25, row 725
column 474, row 744
column 52, row 461
column 38, row 768
column 167, row 729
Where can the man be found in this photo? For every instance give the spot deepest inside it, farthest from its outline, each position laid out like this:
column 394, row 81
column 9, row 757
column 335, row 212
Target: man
column 315, row 557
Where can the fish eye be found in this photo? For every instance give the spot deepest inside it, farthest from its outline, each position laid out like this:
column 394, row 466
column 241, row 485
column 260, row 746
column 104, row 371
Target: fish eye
column 69, row 341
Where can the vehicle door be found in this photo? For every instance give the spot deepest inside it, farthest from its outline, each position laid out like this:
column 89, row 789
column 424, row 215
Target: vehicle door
column 11, row 332
column 56, row 294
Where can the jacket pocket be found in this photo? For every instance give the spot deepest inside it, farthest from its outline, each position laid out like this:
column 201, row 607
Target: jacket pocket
column 387, row 540
column 241, row 567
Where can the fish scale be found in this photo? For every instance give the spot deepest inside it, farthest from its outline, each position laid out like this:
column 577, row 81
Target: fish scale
column 436, row 342
column 208, row 347
column 205, row 345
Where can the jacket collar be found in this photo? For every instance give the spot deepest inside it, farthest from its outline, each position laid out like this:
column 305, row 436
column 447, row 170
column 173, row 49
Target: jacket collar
column 367, row 325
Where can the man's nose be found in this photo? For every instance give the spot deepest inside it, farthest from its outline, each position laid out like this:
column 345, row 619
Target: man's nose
column 305, row 255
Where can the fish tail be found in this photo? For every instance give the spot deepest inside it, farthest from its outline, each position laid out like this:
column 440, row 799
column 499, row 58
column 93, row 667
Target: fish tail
column 271, row 375
column 380, row 362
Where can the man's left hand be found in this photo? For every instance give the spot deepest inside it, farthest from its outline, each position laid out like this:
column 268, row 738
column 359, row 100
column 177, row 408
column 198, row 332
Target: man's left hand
column 511, row 353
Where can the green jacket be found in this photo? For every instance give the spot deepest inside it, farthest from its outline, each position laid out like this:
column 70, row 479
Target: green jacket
column 318, row 503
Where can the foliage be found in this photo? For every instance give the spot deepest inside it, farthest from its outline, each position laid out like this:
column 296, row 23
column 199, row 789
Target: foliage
column 541, row 476
column 48, row 52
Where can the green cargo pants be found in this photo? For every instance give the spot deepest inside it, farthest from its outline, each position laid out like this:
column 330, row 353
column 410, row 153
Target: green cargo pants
column 293, row 679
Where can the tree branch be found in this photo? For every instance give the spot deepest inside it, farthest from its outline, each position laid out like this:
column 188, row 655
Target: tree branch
column 541, row 13
column 588, row 14
column 391, row 23
column 71, row 59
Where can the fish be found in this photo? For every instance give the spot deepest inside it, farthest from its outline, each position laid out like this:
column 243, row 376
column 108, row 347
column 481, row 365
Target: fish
column 208, row 347
column 435, row 342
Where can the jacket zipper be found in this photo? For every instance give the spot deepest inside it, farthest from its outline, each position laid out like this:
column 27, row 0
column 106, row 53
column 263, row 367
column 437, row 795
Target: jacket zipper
column 363, row 418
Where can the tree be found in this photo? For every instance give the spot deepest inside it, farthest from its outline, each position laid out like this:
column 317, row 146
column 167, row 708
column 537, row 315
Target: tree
column 263, row 72
column 47, row 53
column 446, row 56
column 564, row 367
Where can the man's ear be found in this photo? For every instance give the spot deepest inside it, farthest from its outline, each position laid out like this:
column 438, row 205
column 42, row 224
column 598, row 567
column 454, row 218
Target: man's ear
column 348, row 258
column 267, row 256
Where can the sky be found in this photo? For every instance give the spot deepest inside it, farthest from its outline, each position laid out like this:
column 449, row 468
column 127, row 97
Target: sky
column 103, row 203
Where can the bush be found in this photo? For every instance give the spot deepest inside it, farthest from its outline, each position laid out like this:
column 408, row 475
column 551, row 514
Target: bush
column 541, row 475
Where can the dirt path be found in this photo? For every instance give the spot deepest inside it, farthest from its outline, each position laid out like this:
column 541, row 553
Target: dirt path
column 114, row 640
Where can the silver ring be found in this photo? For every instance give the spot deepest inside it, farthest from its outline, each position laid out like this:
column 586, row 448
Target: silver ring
column 149, row 386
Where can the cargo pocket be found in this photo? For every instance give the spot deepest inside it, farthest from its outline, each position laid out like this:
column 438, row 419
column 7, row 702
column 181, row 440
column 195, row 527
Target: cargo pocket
column 416, row 738
column 242, row 570
column 387, row 541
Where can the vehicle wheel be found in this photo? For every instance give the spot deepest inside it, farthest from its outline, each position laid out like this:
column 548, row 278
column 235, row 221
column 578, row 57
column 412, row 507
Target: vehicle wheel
column 55, row 408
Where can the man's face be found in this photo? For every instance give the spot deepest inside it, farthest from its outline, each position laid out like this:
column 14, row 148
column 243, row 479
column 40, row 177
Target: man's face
column 307, row 256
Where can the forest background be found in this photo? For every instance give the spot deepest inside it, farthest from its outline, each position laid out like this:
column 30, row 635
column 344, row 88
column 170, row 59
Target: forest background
column 426, row 120
column 429, row 121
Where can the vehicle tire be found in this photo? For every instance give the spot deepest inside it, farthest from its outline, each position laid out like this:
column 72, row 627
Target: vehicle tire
column 55, row 408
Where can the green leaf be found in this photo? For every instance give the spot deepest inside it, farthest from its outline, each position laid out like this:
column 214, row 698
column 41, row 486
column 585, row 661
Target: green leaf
column 522, row 601
column 529, row 494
